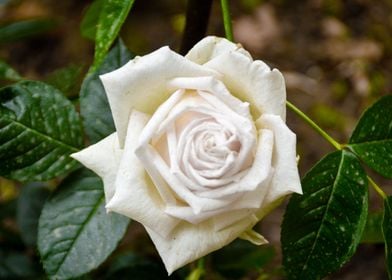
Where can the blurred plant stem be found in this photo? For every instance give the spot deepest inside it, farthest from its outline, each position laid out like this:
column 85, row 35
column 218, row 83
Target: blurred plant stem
column 332, row 141
column 198, row 272
column 308, row 120
column 377, row 188
column 227, row 19
column 197, row 16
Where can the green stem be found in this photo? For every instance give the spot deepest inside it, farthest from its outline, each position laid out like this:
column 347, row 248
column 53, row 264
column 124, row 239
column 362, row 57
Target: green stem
column 197, row 17
column 227, row 20
column 332, row 141
column 198, row 272
column 377, row 188
column 325, row 135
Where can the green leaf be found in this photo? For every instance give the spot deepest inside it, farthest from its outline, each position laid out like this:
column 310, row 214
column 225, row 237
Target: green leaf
column 113, row 15
column 88, row 27
column 30, row 203
column 14, row 265
column 39, row 128
column 387, row 233
column 372, row 137
column 23, row 29
column 322, row 228
column 94, row 105
column 66, row 79
column 373, row 229
column 7, row 73
column 75, row 233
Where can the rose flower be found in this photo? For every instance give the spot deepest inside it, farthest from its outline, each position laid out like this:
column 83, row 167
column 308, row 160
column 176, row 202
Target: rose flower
column 201, row 150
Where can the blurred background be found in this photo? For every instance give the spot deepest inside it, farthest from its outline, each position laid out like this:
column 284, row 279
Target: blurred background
column 335, row 56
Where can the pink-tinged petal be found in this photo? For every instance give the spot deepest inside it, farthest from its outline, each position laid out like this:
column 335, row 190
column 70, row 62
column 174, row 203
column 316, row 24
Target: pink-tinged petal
column 160, row 172
column 256, row 175
column 286, row 178
column 141, row 84
column 253, row 82
column 211, row 47
column 244, row 197
column 136, row 196
column 216, row 88
column 103, row 158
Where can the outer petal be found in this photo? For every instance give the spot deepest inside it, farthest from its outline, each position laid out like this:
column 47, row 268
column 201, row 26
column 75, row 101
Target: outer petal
column 141, row 84
column 286, row 178
column 252, row 81
column 189, row 242
column 136, row 196
column 103, row 158
column 211, row 47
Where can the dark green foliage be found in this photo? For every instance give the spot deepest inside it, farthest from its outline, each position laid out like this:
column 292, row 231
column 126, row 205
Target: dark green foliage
column 7, row 73
column 322, row 227
column 66, row 79
column 112, row 16
column 95, row 110
column 30, row 203
column 23, row 29
column 75, row 233
column 373, row 229
column 15, row 266
column 125, row 265
column 240, row 257
column 88, row 26
column 39, row 128
column 372, row 137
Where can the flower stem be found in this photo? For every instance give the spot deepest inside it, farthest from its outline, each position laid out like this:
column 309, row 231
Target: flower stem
column 332, row 141
column 227, row 20
column 198, row 272
column 197, row 16
column 377, row 188
column 324, row 134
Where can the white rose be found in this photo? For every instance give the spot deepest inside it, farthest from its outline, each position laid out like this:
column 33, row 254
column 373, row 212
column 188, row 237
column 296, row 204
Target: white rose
column 201, row 152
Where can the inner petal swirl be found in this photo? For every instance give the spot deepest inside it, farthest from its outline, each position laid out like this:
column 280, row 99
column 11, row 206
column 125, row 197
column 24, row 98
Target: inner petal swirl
column 200, row 144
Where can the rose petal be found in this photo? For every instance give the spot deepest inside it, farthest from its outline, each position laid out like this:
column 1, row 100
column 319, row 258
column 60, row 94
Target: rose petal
column 103, row 158
column 253, row 237
column 257, row 173
column 241, row 204
column 247, row 203
column 253, row 82
column 141, row 84
column 215, row 87
column 286, row 178
column 150, row 130
column 189, row 242
column 136, row 197
column 227, row 219
column 158, row 170
column 210, row 47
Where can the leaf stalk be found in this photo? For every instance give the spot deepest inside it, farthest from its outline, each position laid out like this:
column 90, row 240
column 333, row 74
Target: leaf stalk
column 227, row 20
column 308, row 120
